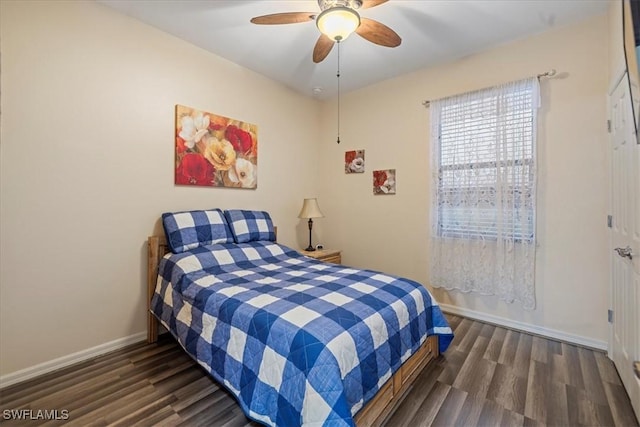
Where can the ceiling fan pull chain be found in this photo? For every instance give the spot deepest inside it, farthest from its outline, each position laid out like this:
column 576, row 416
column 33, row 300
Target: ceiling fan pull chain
column 338, row 75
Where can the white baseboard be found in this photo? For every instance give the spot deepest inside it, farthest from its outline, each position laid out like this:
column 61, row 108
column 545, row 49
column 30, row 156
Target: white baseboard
column 526, row 327
column 64, row 361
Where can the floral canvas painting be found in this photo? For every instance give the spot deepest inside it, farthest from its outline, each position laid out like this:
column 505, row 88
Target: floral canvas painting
column 215, row 151
column 384, row 181
column 354, row 161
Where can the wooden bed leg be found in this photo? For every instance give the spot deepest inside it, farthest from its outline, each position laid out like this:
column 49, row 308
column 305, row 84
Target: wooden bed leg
column 152, row 328
column 152, row 275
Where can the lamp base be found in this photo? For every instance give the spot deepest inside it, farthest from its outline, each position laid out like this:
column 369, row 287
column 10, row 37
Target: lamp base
column 310, row 248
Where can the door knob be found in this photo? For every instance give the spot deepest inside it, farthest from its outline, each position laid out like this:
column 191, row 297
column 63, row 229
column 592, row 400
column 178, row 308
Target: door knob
column 625, row 252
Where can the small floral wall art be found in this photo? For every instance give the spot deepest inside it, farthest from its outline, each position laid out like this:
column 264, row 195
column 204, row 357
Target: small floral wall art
column 354, row 161
column 215, row 151
column 384, row 181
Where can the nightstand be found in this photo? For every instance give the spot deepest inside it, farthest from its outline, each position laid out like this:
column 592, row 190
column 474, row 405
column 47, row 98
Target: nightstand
column 326, row 255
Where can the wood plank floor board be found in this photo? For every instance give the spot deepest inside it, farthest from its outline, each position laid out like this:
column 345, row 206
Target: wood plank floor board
column 491, row 415
column 591, row 377
column 604, row 415
column 557, row 406
column 135, row 413
column 470, row 411
column 236, row 421
column 450, row 408
column 509, row 348
column 537, row 390
column 171, row 372
column 522, row 357
column 508, row 389
column 490, row 376
column 194, row 392
column 431, row 407
column 92, row 403
column 540, row 349
column 606, row 369
column 461, row 331
column 495, row 344
column 162, row 416
column 475, row 376
column 528, row 422
column 451, row 363
column 512, row 419
column 620, row 405
column 554, row 347
column 78, row 392
column 559, row 369
column 587, row 412
column 180, row 379
column 574, row 370
column 487, row 330
column 470, row 338
column 98, row 413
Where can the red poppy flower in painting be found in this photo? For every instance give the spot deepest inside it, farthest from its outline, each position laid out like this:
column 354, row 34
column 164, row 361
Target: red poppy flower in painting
column 349, row 156
column 240, row 139
column 181, row 147
column 379, row 177
column 194, row 170
column 384, row 181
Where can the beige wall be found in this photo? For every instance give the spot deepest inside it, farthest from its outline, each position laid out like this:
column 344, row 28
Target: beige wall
column 388, row 121
column 616, row 46
column 88, row 100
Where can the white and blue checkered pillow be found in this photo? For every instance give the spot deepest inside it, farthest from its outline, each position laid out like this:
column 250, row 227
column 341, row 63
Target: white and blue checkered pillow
column 250, row 226
column 188, row 230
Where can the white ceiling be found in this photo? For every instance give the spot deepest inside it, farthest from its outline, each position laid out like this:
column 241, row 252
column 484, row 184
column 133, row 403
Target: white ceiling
column 432, row 31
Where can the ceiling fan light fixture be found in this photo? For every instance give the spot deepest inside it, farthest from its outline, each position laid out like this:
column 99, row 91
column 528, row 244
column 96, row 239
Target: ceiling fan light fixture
column 338, row 22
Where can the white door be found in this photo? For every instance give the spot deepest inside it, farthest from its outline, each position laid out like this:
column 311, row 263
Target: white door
column 625, row 238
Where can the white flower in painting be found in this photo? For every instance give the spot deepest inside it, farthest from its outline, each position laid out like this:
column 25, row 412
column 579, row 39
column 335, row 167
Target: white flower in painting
column 389, row 185
column 391, row 180
column 193, row 129
column 244, row 172
column 357, row 165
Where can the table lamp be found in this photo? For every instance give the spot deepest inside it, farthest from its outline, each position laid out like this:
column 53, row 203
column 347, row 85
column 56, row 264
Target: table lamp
column 310, row 209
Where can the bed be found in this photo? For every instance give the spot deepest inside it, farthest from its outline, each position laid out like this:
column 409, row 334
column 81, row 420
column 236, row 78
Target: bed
column 295, row 340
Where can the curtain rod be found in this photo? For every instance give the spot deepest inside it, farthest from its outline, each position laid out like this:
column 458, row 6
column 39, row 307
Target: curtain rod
column 552, row 72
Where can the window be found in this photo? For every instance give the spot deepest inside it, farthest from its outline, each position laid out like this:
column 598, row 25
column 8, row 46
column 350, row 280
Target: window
column 483, row 192
column 486, row 165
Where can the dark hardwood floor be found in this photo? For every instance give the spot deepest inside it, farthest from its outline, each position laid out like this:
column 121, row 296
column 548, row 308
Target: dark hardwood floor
column 490, row 376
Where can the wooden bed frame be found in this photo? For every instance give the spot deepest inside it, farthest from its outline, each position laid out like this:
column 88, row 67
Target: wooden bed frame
column 376, row 411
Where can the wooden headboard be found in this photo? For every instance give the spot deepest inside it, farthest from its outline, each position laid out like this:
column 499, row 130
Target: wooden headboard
column 158, row 248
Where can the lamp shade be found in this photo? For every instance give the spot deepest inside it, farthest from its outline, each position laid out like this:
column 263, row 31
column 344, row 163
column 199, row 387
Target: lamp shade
column 310, row 209
column 338, row 22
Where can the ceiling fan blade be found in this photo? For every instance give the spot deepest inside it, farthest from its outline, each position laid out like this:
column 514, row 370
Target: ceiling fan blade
column 366, row 4
column 378, row 33
column 284, row 18
column 322, row 49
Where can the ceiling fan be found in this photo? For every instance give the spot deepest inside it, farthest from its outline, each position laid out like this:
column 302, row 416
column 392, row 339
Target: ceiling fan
column 336, row 21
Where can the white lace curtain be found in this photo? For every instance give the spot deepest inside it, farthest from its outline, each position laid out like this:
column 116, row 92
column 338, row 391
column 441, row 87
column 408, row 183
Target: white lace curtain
column 483, row 165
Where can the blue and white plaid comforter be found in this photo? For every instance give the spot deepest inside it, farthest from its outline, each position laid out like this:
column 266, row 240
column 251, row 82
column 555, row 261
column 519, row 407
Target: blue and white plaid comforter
column 298, row 341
